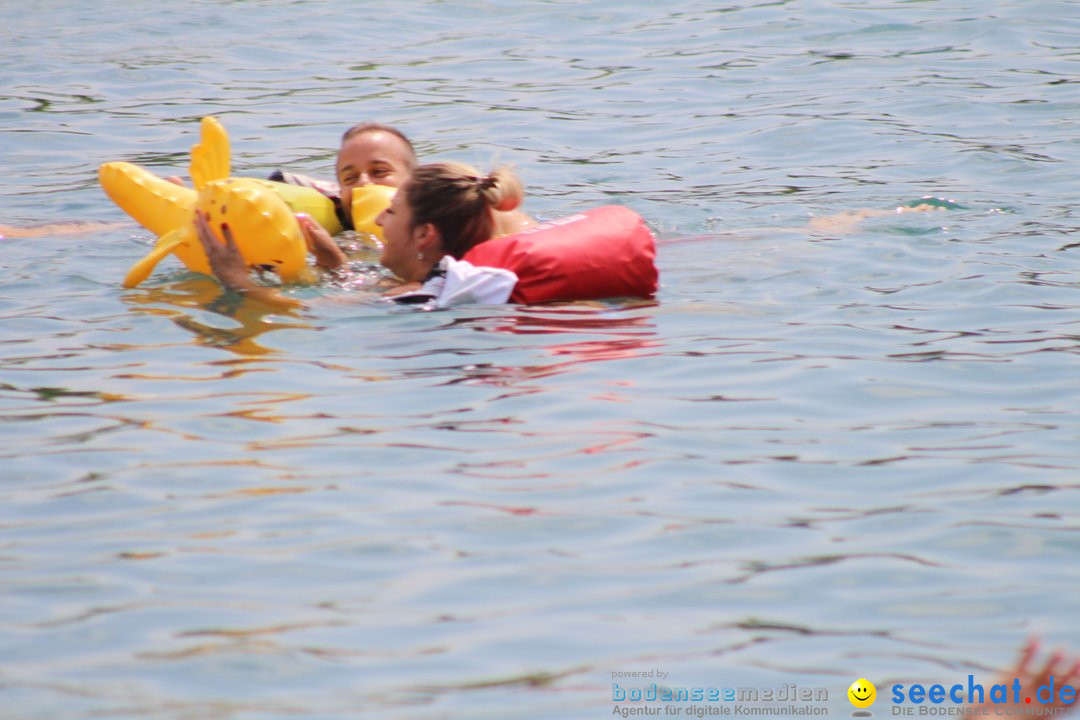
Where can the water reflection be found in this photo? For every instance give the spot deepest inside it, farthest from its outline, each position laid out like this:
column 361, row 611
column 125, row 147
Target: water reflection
column 623, row 336
column 473, row 513
column 577, row 317
column 203, row 293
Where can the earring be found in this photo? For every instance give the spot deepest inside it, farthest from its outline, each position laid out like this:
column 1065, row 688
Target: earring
column 419, row 256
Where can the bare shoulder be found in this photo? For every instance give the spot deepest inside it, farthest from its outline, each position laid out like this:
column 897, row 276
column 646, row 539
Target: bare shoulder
column 512, row 221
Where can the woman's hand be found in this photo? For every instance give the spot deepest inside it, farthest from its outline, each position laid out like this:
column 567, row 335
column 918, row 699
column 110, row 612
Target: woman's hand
column 228, row 264
column 231, row 269
column 319, row 243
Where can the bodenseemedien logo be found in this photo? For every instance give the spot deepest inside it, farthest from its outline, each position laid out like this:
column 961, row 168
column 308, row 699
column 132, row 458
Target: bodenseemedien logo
column 700, row 701
column 862, row 695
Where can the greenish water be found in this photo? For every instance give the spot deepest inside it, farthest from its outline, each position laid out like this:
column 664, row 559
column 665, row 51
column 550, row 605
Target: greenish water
column 819, row 455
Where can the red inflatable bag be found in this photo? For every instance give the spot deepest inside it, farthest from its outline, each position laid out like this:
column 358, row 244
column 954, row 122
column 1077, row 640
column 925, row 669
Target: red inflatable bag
column 601, row 253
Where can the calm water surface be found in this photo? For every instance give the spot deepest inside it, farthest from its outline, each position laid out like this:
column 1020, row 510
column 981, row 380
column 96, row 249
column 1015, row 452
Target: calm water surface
column 821, row 454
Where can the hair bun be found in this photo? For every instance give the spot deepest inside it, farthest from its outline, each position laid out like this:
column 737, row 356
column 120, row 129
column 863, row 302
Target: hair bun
column 503, row 189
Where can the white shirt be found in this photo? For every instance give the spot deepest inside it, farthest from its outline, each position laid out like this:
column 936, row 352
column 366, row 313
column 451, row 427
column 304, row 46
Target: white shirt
column 457, row 282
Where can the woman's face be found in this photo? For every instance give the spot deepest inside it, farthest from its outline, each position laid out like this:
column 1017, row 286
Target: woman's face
column 400, row 247
column 375, row 157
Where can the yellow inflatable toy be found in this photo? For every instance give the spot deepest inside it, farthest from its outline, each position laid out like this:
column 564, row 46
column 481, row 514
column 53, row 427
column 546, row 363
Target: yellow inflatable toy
column 260, row 213
column 368, row 202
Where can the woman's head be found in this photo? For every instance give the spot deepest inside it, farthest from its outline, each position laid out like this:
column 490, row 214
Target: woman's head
column 444, row 209
column 373, row 154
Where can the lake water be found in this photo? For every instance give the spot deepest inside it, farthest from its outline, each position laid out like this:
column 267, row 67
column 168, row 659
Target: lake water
column 819, row 455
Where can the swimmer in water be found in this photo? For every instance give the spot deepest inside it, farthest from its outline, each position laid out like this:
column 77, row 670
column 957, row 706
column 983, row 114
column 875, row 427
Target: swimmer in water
column 68, row 228
column 848, row 221
column 372, row 153
column 440, row 212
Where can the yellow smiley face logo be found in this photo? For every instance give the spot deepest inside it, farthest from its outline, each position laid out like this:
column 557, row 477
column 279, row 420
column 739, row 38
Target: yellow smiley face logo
column 862, row 693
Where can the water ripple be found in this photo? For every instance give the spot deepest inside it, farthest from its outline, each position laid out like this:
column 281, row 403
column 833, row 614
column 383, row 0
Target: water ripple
column 841, row 442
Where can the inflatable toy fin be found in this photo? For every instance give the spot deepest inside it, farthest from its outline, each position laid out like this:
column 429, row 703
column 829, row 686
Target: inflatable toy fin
column 154, row 202
column 166, row 244
column 211, row 157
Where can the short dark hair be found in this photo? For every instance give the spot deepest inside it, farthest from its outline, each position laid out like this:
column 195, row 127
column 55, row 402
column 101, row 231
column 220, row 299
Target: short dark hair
column 366, row 127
